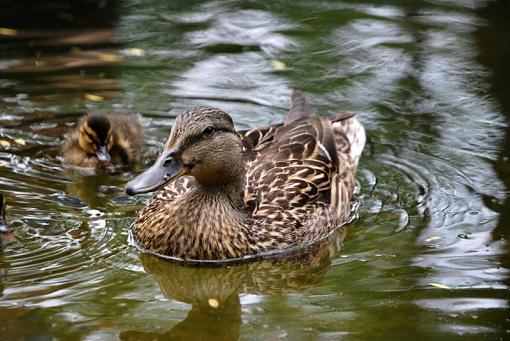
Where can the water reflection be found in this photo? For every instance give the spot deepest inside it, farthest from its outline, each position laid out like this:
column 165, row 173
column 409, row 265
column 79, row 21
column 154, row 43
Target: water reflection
column 495, row 53
column 213, row 293
column 52, row 37
column 433, row 181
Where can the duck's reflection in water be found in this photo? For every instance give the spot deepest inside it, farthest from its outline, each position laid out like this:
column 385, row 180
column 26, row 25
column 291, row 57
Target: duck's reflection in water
column 214, row 292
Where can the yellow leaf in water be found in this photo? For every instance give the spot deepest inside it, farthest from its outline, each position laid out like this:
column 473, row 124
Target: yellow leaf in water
column 94, row 98
column 432, row 238
column 4, row 31
column 4, row 163
column 5, row 143
column 107, row 57
column 213, row 303
column 20, row 142
column 278, row 65
column 134, row 51
column 439, row 285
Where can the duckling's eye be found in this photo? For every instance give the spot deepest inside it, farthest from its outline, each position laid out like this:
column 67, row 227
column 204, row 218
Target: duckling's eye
column 208, row 131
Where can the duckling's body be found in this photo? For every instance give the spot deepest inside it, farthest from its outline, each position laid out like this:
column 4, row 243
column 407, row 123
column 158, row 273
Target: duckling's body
column 104, row 140
column 6, row 235
column 230, row 195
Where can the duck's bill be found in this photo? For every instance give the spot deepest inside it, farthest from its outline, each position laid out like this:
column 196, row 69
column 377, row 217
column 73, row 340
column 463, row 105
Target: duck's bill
column 104, row 157
column 164, row 170
column 6, row 234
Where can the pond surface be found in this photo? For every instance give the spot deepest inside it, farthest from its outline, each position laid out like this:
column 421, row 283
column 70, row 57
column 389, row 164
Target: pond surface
column 427, row 255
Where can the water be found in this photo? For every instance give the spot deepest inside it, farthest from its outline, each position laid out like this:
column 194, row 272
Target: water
column 427, row 255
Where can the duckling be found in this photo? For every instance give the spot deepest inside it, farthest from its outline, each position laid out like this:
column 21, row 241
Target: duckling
column 104, row 141
column 6, row 235
column 228, row 195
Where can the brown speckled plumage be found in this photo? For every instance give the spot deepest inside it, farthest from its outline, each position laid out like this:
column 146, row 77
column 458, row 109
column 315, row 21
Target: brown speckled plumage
column 281, row 186
column 125, row 151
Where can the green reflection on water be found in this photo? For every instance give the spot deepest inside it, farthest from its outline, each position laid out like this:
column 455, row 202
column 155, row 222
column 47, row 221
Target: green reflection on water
column 432, row 180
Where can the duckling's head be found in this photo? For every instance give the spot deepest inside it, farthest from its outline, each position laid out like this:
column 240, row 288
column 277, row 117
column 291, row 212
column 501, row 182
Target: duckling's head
column 96, row 137
column 203, row 143
column 6, row 235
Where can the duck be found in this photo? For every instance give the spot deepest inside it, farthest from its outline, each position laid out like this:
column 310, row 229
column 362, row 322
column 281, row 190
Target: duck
column 226, row 195
column 6, row 235
column 104, row 141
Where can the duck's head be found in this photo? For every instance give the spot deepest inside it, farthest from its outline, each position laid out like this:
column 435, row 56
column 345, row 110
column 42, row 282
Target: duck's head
column 96, row 137
column 203, row 143
column 6, row 235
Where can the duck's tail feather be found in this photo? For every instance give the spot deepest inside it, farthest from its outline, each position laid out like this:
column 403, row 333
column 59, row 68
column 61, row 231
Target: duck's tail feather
column 299, row 108
column 343, row 116
column 349, row 135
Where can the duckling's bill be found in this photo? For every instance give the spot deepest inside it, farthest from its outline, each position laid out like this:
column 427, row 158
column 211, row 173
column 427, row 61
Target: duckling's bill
column 104, row 157
column 166, row 168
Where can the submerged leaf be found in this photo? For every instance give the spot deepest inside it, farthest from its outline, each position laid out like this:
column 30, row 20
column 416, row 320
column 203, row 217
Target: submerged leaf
column 94, row 98
column 4, row 31
column 439, row 285
column 20, row 142
column 432, row 238
column 134, row 51
column 107, row 57
column 5, row 143
column 278, row 65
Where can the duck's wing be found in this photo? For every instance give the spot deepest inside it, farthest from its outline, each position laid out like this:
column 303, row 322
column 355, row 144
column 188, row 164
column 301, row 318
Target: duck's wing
column 257, row 139
column 305, row 166
column 128, row 136
column 296, row 169
column 294, row 163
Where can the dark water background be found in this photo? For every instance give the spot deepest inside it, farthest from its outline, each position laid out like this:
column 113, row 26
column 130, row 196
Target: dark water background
column 431, row 82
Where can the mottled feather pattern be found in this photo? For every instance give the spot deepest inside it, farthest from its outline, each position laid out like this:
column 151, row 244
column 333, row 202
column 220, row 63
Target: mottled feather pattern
column 299, row 182
column 291, row 182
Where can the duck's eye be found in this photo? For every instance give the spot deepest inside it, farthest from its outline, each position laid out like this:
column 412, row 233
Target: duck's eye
column 168, row 162
column 208, row 131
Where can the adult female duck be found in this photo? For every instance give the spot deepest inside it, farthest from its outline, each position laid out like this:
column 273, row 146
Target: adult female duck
column 228, row 195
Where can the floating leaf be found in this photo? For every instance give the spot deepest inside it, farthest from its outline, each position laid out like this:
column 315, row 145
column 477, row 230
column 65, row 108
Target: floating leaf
column 213, row 303
column 8, row 31
column 134, row 51
column 20, row 142
column 432, row 238
column 4, row 163
column 5, row 143
column 278, row 65
column 94, row 98
column 439, row 285
column 108, row 57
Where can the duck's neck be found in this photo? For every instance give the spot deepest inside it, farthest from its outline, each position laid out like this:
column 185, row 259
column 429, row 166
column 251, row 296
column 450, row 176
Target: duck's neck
column 217, row 207
column 225, row 193
column 209, row 222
